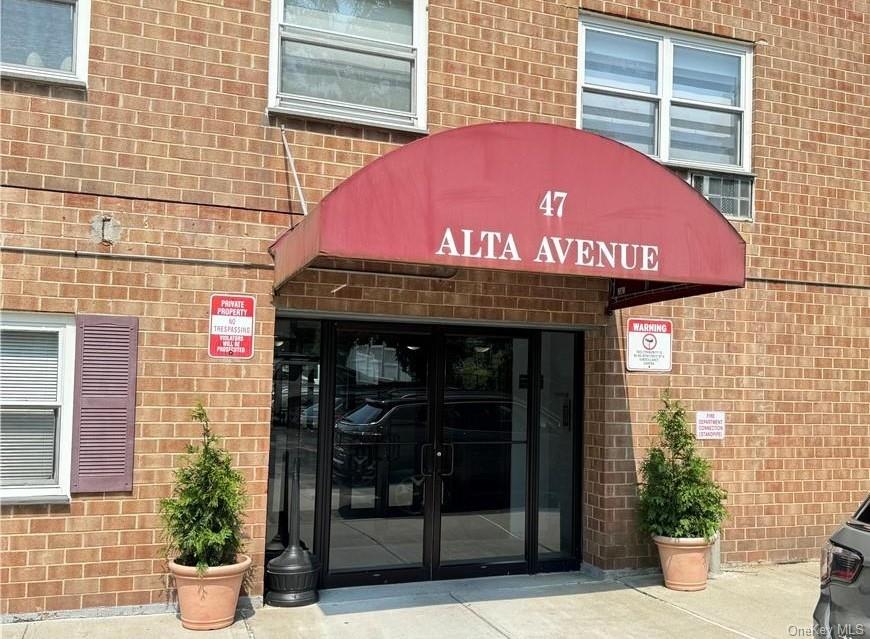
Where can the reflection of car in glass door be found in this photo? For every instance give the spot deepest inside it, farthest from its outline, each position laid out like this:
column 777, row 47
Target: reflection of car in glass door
column 377, row 444
column 311, row 414
column 367, row 439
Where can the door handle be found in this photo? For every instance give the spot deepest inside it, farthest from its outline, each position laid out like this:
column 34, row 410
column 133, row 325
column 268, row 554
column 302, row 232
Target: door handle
column 448, row 472
column 423, row 458
column 452, row 455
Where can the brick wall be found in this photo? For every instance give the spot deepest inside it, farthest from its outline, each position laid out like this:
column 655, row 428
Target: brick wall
column 789, row 367
column 471, row 295
column 105, row 549
column 171, row 139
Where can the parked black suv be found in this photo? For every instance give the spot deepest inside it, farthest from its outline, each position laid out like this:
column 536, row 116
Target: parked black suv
column 843, row 611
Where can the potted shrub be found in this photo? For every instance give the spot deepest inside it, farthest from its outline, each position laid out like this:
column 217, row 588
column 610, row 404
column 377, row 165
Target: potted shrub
column 680, row 504
column 203, row 528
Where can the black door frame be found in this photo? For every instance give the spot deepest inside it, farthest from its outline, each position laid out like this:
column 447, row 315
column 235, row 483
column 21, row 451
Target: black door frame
column 492, row 568
column 431, row 568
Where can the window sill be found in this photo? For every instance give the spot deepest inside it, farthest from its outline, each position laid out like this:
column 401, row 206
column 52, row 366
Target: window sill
column 43, row 77
column 33, row 499
column 742, row 220
column 336, row 119
column 707, row 168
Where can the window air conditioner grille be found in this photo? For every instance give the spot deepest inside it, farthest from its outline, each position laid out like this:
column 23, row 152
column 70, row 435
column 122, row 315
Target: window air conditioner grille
column 730, row 194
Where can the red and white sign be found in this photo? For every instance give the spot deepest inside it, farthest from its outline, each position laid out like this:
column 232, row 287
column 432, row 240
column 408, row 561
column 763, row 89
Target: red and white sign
column 648, row 345
column 710, row 425
column 231, row 329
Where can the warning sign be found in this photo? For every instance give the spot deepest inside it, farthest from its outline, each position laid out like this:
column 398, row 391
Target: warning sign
column 231, row 329
column 648, row 345
column 710, row 425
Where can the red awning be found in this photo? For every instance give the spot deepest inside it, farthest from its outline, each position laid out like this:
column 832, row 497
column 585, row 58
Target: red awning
column 523, row 197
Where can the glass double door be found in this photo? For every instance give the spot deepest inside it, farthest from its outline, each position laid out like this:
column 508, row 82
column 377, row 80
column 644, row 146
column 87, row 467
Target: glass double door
column 429, row 455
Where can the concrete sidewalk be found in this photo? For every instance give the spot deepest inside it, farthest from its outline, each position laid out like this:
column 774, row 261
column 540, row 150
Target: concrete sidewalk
column 759, row 602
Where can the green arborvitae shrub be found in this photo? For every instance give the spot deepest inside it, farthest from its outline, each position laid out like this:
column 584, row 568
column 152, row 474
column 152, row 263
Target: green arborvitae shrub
column 678, row 497
column 203, row 518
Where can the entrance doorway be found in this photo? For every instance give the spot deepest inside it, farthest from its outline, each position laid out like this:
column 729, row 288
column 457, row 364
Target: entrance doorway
column 443, row 460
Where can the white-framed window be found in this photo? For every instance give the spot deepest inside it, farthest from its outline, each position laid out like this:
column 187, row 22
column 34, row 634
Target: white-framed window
column 37, row 353
column 358, row 61
column 682, row 99
column 45, row 40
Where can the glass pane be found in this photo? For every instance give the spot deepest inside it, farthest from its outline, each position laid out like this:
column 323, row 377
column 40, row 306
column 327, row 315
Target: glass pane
column 621, row 62
column 295, row 422
column 377, row 507
column 345, row 76
column 28, row 366
column 390, row 20
column 483, row 487
column 297, row 338
column 27, row 447
column 701, row 135
column 632, row 122
column 380, row 430
column 38, row 33
column 486, row 389
column 556, row 477
column 706, row 76
column 488, row 418
column 483, row 504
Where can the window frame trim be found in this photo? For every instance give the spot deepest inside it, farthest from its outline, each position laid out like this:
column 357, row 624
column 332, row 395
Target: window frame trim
column 78, row 77
column 667, row 38
column 335, row 111
column 65, row 327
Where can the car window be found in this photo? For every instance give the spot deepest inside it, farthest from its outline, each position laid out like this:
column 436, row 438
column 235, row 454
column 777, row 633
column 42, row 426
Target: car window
column 365, row 414
column 863, row 514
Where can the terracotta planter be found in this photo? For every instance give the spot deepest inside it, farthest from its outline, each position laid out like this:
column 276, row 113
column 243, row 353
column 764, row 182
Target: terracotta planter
column 685, row 562
column 209, row 602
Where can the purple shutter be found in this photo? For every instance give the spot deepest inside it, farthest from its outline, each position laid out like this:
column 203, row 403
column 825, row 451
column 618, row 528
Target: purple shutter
column 104, row 409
